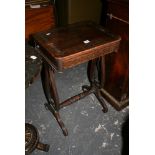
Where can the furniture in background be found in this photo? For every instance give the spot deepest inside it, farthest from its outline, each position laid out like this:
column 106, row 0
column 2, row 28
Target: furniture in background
column 32, row 140
column 66, row 47
column 115, row 17
column 33, row 64
column 39, row 16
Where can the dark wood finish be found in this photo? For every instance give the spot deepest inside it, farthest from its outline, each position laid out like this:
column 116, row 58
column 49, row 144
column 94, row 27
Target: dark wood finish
column 119, row 8
column 39, row 19
column 32, row 140
column 102, row 71
column 50, row 90
column 36, row 20
column 32, row 66
column 63, row 48
column 116, row 88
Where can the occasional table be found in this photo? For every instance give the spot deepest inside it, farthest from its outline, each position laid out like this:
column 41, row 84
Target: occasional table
column 68, row 46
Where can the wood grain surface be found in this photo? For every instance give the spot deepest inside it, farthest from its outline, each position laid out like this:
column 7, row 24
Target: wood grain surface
column 65, row 47
column 38, row 19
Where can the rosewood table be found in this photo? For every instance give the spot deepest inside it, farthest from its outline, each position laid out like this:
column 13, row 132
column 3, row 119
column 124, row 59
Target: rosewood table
column 68, row 46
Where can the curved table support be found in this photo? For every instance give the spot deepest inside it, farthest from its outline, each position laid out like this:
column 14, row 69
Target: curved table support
column 50, row 90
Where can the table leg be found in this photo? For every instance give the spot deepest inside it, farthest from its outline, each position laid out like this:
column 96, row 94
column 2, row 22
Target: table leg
column 101, row 101
column 102, row 65
column 91, row 71
column 94, row 84
column 32, row 140
column 50, row 90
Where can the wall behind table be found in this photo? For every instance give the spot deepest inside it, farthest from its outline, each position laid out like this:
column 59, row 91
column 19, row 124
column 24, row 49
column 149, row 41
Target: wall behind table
column 71, row 11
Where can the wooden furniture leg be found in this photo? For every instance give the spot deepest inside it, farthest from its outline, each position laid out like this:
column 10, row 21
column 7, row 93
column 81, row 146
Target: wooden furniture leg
column 50, row 90
column 66, row 52
column 102, row 81
column 94, row 85
column 32, row 140
column 102, row 65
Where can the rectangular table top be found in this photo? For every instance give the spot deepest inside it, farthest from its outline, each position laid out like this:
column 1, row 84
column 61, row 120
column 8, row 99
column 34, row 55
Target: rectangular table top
column 74, row 44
